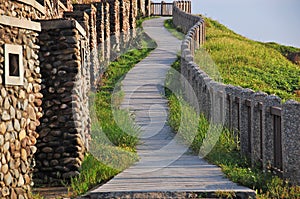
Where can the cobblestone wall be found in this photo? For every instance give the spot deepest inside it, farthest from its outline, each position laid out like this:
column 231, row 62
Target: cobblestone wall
column 268, row 129
column 64, row 129
column 92, row 37
column 64, row 58
column 20, row 101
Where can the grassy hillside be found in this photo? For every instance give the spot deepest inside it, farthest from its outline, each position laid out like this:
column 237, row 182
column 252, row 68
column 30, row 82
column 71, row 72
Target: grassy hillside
column 251, row 64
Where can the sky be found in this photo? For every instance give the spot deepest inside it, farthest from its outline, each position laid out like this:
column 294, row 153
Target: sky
column 262, row 20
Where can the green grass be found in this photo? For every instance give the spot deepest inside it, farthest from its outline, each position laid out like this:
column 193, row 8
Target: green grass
column 175, row 31
column 114, row 135
column 92, row 173
column 226, row 152
column 250, row 64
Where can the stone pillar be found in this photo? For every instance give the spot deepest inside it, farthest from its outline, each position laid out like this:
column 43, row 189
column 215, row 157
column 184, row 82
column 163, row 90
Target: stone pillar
column 206, row 98
column 246, row 125
column 256, row 130
column 20, row 96
column 195, row 85
column 82, row 18
column 234, row 94
column 229, row 91
column 64, row 130
column 148, row 8
column 91, row 10
column 141, row 8
column 133, row 14
column 107, row 31
column 114, row 6
column 201, row 75
column 217, row 102
column 268, row 129
column 290, row 141
column 68, row 4
column 124, row 24
column 100, row 24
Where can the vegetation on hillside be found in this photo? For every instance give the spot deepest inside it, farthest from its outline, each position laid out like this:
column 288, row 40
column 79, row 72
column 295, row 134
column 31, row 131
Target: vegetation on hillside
column 250, row 64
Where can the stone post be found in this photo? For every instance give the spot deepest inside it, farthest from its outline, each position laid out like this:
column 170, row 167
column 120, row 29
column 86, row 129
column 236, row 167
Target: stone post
column 234, row 93
column 64, row 130
column 206, row 98
column 100, row 24
column 133, row 14
column 95, row 67
column 124, row 24
column 107, row 39
column 20, row 95
column 114, row 6
column 246, row 125
column 256, row 130
column 268, row 129
column 290, row 141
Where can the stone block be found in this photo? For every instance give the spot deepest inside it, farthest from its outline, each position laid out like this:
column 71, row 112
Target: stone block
column 290, row 141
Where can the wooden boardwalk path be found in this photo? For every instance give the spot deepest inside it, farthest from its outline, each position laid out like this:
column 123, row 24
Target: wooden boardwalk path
column 166, row 169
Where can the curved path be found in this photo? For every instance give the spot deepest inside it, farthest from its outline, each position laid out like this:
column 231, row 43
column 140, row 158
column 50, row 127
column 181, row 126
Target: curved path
column 166, row 169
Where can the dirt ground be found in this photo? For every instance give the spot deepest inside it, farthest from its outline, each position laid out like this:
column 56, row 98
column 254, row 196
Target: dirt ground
column 52, row 192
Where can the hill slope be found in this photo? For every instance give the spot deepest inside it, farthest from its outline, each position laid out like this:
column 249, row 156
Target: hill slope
column 247, row 63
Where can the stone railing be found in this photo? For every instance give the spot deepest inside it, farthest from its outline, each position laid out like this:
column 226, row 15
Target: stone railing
column 269, row 131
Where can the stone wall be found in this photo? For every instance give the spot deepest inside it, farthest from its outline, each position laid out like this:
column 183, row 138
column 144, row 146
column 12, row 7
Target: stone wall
column 64, row 130
column 22, row 9
column 55, row 9
column 268, row 129
column 20, row 97
column 65, row 57
column 124, row 24
column 92, row 37
column 133, row 14
column 183, row 19
column 114, row 12
column 65, row 125
column 107, row 40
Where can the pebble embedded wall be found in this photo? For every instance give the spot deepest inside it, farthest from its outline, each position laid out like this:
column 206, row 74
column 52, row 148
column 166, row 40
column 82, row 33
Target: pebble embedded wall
column 114, row 13
column 21, row 9
column 92, row 37
column 64, row 58
column 20, row 105
column 64, row 129
column 124, row 24
column 268, row 130
column 291, row 140
column 133, row 14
